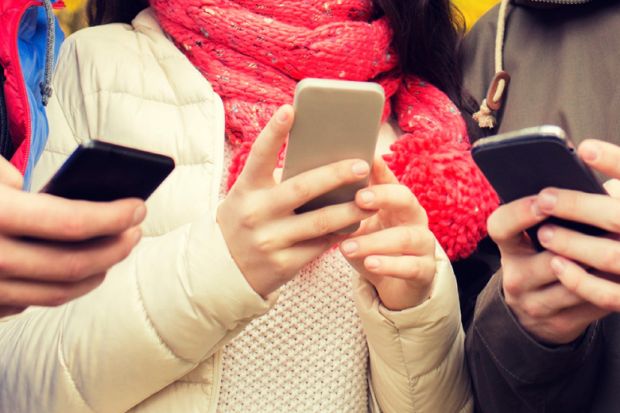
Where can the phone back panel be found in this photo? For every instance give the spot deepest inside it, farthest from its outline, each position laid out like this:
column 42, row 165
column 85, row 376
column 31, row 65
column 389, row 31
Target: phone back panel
column 334, row 120
column 102, row 172
column 523, row 164
column 524, row 168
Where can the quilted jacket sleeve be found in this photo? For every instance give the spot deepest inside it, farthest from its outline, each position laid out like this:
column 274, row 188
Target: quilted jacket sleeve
column 417, row 356
column 173, row 303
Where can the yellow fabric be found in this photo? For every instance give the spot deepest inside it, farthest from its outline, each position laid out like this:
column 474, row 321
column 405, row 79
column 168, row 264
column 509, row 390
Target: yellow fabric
column 73, row 5
column 473, row 9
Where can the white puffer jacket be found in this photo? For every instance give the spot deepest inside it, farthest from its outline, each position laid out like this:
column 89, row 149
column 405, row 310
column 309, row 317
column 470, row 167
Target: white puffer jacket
column 150, row 338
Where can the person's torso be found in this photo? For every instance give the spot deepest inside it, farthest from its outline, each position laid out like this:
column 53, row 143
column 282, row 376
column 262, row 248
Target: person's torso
column 146, row 94
column 563, row 64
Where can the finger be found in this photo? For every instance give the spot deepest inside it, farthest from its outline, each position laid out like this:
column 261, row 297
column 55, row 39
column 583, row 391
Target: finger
column 6, row 311
column 598, row 291
column 314, row 224
column 574, row 321
column 406, row 240
column 301, row 254
column 406, row 267
column 507, row 223
column 613, row 187
column 596, row 210
column 597, row 252
column 527, row 273
column 9, row 175
column 398, row 200
column 602, row 156
column 277, row 175
column 549, row 301
column 23, row 293
column 381, row 173
column 63, row 262
column 53, row 218
column 298, row 190
column 263, row 157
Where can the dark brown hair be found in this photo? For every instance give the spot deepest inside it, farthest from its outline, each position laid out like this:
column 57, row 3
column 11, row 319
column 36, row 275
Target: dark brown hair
column 113, row 11
column 426, row 35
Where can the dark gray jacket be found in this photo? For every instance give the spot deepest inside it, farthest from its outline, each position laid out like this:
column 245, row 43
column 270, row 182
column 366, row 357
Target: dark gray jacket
column 564, row 62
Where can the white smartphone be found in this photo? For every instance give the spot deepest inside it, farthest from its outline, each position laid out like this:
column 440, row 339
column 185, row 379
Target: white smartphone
column 334, row 120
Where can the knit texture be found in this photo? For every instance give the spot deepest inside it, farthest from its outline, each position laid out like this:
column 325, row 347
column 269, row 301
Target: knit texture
column 308, row 354
column 254, row 53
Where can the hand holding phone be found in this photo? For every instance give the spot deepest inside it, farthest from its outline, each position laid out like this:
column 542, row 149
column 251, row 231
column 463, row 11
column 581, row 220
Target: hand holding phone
column 54, row 249
column 334, row 120
column 556, row 294
column 523, row 163
column 268, row 241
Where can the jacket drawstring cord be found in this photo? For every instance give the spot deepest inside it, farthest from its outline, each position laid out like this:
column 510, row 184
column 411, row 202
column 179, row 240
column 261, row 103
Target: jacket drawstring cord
column 46, row 84
column 493, row 101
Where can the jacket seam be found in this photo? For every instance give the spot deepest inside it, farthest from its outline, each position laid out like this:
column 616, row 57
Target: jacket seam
column 177, row 165
column 78, row 82
column 441, row 363
column 151, row 325
column 413, row 383
column 149, row 99
column 67, row 372
column 496, row 359
column 435, row 369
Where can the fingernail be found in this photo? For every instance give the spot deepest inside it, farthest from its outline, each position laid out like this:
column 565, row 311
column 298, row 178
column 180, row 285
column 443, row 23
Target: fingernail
column 139, row 215
column 557, row 265
column 136, row 236
column 589, row 152
column 367, row 197
column 547, row 201
column 373, row 263
column 536, row 210
column 282, row 116
column 349, row 247
column 545, row 234
column 360, row 168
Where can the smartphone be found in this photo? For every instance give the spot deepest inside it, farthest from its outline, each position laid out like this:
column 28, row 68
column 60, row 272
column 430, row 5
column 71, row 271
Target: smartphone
column 334, row 120
column 101, row 171
column 523, row 163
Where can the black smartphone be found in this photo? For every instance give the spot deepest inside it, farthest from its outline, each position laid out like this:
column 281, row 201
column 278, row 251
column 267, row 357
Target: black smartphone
column 101, row 171
column 523, row 163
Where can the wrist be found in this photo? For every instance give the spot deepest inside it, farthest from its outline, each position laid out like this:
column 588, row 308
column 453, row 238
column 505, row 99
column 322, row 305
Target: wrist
column 405, row 299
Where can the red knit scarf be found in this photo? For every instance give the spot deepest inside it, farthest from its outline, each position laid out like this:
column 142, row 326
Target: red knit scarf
column 254, row 53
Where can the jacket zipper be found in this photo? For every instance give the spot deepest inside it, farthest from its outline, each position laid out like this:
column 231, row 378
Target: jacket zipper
column 6, row 145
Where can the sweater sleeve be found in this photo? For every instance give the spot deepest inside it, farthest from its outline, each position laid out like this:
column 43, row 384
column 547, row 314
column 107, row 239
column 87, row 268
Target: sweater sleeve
column 416, row 356
column 513, row 372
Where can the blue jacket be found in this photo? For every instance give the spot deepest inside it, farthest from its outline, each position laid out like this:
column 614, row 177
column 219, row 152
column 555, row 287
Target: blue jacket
column 24, row 46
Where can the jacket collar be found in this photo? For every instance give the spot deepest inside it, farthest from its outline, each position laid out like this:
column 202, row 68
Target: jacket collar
column 146, row 21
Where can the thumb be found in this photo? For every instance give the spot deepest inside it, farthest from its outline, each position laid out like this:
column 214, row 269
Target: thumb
column 9, row 175
column 613, row 187
column 263, row 157
column 381, row 173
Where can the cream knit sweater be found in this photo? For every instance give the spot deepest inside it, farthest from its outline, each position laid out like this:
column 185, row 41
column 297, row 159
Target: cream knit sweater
column 307, row 354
